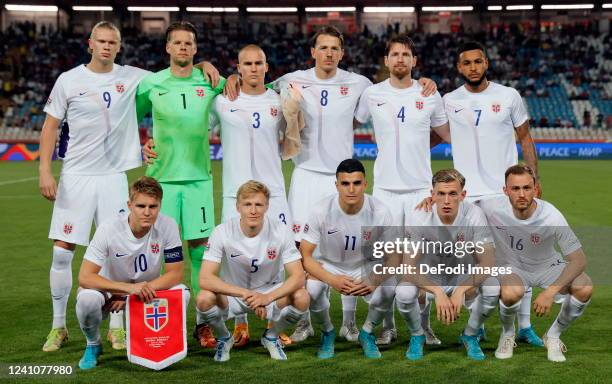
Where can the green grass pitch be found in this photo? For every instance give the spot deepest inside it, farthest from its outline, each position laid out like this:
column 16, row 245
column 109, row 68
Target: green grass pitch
column 580, row 189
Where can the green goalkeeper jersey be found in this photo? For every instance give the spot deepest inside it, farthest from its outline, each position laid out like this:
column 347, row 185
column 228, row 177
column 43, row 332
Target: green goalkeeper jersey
column 180, row 108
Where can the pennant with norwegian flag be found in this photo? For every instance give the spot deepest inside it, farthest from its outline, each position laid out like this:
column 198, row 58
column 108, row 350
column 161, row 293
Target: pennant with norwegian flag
column 156, row 331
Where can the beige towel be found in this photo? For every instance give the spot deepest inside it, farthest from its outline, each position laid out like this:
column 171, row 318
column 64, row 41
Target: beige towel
column 295, row 123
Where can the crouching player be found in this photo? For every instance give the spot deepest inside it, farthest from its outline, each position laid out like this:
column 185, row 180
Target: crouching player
column 526, row 231
column 125, row 257
column 338, row 225
column 252, row 252
column 451, row 220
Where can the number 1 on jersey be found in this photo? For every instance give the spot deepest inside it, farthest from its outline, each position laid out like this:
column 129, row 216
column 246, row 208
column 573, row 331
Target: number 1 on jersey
column 184, row 101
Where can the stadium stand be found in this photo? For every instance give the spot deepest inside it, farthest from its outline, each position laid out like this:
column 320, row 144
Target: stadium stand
column 564, row 74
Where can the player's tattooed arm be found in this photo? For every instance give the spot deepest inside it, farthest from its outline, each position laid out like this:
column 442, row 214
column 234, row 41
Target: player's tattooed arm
column 429, row 86
column 573, row 269
column 210, row 71
column 530, row 155
column 48, row 136
column 340, row 283
column 210, row 281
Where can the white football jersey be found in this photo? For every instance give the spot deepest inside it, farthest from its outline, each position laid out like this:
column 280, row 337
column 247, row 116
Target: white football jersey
column 402, row 121
column 340, row 236
column 250, row 128
column 482, row 135
column 125, row 258
column 470, row 225
column 255, row 263
column 529, row 244
column 329, row 107
column 100, row 109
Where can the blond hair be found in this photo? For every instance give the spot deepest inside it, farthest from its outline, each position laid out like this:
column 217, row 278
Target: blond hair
column 448, row 176
column 106, row 25
column 252, row 187
column 148, row 186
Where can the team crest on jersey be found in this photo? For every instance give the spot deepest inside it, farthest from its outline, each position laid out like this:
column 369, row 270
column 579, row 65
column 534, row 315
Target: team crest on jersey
column 273, row 111
column 120, row 87
column 344, row 90
column 156, row 314
column 271, row 253
column 200, row 92
column 367, row 235
column 535, row 238
column 296, row 228
column 155, row 248
column 420, row 104
column 67, row 228
column 496, row 107
column 461, row 237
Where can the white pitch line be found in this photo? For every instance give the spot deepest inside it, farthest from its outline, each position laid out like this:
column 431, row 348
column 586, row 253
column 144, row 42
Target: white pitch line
column 9, row 182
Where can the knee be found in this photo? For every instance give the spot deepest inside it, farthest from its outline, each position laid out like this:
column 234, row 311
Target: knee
column 490, row 288
column 88, row 301
column 511, row 295
column 582, row 287
column 300, row 299
column 406, row 294
column 317, row 290
column 206, row 300
column 64, row 245
column 382, row 298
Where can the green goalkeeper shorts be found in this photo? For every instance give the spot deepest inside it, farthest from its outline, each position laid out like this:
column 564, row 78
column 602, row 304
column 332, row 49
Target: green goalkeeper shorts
column 191, row 204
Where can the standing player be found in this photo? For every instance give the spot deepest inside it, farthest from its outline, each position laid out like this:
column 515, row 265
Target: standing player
column 526, row 232
column 252, row 252
column 457, row 221
column 338, row 227
column 251, row 127
column 97, row 101
column 125, row 257
column 179, row 98
column 402, row 120
column 484, row 117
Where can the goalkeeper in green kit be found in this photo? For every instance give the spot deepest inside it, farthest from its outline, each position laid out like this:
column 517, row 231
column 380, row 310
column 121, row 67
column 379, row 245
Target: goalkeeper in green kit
column 180, row 98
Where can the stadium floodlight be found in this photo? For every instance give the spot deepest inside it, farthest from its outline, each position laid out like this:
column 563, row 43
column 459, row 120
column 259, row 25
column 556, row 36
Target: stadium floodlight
column 31, row 8
column 331, row 9
column 568, row 6
column 153, row 9
column 388, row 9
column 494, row 8
column 519, row 7
column 212, row 9
column 606, row 5
column 271, row 9
column 91, row 8
column 448, row 9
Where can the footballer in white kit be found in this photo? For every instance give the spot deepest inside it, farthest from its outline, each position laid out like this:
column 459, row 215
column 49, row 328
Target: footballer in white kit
column 339, row 225
column 526, row 231
column 125, row 257
column 244, row 271
column 251, row 127
column 329, row 100
column 451, row 221
column 484, row 117
column 402, row 119
column 98, row 144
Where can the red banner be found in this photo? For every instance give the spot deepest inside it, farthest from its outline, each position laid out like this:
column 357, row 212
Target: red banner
column 156, row 331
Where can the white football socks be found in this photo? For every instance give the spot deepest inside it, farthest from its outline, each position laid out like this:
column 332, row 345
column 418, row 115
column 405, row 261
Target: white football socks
column 571, row 309
column 60, row 279
column 524, row 312
column 506, row 316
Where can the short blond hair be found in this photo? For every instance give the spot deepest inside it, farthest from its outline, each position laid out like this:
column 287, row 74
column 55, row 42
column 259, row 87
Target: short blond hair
column 252, row 187
column 448, row 176
column 106, row 25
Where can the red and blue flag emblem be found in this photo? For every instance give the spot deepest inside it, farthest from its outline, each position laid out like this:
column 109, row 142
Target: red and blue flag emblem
column 156, row 314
